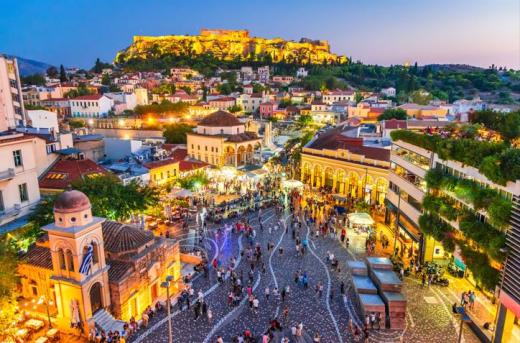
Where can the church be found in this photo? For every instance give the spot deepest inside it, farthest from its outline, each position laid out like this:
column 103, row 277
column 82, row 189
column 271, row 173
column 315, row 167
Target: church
column 91, row 268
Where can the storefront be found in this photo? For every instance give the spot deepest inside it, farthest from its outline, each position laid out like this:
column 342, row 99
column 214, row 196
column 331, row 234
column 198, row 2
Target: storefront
column 409, row 242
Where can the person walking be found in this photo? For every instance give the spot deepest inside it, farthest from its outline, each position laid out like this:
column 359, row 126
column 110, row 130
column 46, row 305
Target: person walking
column 267, row 292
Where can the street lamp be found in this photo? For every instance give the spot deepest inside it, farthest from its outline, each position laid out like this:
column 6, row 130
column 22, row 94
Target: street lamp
column 47, row 302
column 504, row 250
column 166, row 284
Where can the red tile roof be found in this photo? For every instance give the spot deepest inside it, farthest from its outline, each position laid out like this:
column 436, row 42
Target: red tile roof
column 64, row 172
column 393, row 124
column 191, row 165
column 89, row 97
column 220, row 119
column 334, row 140
column 160, row 163
column 226, row 98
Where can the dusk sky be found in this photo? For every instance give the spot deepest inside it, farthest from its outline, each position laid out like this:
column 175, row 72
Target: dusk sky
column 477, row 32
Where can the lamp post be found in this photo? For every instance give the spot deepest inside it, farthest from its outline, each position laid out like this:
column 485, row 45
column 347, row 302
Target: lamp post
column 505, row 251
column 166, row 284
column 46, row 302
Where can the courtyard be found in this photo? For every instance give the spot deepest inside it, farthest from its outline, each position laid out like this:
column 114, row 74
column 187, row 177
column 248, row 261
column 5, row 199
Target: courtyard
column 429, row 317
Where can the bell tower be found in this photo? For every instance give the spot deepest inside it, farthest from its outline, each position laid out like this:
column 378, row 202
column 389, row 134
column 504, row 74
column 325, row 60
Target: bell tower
column 80, row 274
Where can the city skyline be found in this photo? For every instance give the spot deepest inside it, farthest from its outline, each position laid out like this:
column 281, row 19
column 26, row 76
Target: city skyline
column 476, row 33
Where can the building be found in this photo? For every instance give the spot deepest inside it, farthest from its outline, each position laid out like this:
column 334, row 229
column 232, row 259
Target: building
column 43, row 119
column 337, row 95
column 127, row 100
column 340, row 160
column 162, row 171
column 120, row 281
column 424, row 111
column 221, row 139
column 263, row 74
column 141, row 95
column 283, row 79
column 91, row 146
column 414, row 203
column 12, row 111
column 60, row 106
column 18, row 175
column 389, row 92
column 267, row 109
column 91, row 106
column 67, row 171
column 301, row 73
column 222, row 103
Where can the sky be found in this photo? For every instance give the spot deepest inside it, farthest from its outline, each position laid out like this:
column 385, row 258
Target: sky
column 76, row 32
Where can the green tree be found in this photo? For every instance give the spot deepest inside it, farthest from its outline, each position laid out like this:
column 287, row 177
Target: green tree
column 63, row 74
column 8, row 284
column 235, row 108
column 80, row 91
column 164, row 88
column 77, row 123
column 420, row 97
column 305, row 120
column 35, row 79
column 393, row 113
column 165, row 107
column 176, row 133
column 52, row 72
column 105, row 80
column 113, row 200
column 99, row 66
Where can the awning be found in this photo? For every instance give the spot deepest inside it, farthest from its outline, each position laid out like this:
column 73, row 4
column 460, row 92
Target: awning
column 360, row 218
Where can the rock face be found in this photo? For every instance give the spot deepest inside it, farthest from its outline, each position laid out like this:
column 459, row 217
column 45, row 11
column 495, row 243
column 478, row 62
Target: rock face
column 230, row 45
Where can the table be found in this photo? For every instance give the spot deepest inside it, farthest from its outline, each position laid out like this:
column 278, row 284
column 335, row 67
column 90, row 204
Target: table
column 22, row 333
column 34, row 324
column 42, row 339
column 53, row 333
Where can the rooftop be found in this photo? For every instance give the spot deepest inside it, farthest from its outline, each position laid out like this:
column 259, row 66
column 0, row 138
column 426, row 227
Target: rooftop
column 220, row 119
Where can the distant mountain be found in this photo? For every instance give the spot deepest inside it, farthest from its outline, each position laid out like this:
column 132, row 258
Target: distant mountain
column 30, row 67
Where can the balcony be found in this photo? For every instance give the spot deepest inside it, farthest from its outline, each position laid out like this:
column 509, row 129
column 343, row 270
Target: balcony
column 408, row 210
column 7, row 174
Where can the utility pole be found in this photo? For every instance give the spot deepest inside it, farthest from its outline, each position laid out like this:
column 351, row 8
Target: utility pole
column 397, row 219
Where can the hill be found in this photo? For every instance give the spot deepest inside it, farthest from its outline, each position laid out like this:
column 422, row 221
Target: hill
column 31, row 67
column 229, row 45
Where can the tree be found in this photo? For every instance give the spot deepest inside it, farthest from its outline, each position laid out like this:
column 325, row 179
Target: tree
column 8, row 283
column 77, row 123
column 63, row 74
column 165, row 107
column 235, row 108
column 176, row 133
column 35, row 79
column 113, row 200
column 99, row 66
column 305, row 120
column 358, row 97
column 105, row 80
column 80, row 91
column 393, row 113
column 420, row 97
column 52, row 72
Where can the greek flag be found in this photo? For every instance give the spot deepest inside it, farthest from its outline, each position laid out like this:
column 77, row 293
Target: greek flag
column 86, row 264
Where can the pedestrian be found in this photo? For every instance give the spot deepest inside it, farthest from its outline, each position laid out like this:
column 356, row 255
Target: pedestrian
column 267, row 293
column 342, row 288
column 210, row 315
column 283, row 293
column 256, row 304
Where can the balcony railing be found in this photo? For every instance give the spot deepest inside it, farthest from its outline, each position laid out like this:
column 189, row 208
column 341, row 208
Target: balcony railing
column 7, row 174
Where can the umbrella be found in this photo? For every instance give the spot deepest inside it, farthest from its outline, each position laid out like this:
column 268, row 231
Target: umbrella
column 360, row 218
column 183, row 193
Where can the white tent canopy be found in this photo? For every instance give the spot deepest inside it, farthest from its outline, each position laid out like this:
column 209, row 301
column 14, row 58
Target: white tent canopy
column 291, row 184
column 181, row 193
column 360, row 218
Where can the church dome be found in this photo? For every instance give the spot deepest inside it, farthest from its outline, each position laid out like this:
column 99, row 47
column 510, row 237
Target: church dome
column 220, row 119
column 71, row 201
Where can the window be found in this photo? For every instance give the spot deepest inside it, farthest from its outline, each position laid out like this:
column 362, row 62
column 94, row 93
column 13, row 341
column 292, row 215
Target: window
column 198, row 147
column 216, row 149
column 2, row 207
column 61, row 259
column 70, row 261
column 24, row 195
column 192, row 146
column 17, row 156
column 206, row 148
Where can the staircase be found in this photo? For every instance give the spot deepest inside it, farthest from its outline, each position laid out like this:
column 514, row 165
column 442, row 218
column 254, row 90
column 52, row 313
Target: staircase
column 106, row 322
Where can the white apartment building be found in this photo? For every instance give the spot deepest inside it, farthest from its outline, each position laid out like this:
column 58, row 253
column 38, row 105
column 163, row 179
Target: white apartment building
column 331, row 97
column 19, row 190
column 12, row 112
column 251, row 102
column 141, row 95
column 91, row 106
column 301, row 72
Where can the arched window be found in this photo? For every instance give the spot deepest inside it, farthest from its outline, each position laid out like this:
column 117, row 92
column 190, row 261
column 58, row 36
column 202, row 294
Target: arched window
column 95, row 253
column 61, row 257
column 70, row 261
